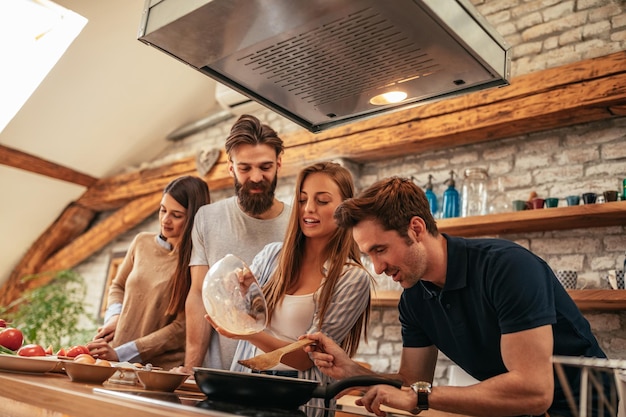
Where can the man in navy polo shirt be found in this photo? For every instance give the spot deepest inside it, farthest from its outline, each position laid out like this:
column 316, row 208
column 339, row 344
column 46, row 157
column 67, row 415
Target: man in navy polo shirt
column 490, row 305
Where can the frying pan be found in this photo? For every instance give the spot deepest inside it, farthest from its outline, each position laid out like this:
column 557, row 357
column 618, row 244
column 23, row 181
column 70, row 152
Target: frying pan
column 262, row 390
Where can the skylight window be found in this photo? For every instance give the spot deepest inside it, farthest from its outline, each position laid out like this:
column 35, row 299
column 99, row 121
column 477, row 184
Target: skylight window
column 34, row 34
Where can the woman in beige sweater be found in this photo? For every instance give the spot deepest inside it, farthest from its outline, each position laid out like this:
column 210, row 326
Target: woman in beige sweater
column 145, row 317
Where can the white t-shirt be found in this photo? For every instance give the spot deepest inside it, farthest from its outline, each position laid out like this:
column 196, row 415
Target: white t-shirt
column 219, row 229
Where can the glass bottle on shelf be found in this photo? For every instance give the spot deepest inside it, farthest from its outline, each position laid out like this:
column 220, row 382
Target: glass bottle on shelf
column 431, row 197
column 451, row 203
column 474, row 195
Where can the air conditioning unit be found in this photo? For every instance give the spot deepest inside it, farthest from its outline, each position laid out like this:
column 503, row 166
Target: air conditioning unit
column 235, row 102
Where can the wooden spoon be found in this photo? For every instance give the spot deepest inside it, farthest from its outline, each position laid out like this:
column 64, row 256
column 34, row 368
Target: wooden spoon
column 271, row 359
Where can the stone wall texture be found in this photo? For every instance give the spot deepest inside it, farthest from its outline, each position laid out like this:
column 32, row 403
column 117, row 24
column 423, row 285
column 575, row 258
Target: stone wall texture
column 590, row 157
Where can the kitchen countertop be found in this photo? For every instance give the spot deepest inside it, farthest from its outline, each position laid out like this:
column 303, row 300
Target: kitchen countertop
column 54, row 395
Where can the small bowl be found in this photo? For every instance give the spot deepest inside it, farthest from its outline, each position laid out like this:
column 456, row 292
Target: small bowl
column 124, row 376
column 161, row 380
column 85, row 372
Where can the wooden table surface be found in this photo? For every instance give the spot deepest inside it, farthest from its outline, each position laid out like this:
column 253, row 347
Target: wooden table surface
column 54, row 395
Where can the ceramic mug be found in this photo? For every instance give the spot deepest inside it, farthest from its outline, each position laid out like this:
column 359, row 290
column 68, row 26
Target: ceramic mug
column 569, row 279
column 616, row 279
column 552, row 202
column 589, row 198
column 572, row 200
column 610, row 196
column 537, row 203
column 519, row 205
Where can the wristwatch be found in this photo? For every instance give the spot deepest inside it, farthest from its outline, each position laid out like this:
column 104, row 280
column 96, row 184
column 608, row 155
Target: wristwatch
column 422, row 389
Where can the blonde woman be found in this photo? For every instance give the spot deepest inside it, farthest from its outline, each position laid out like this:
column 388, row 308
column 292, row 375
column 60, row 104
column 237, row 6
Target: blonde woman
column 314, row 280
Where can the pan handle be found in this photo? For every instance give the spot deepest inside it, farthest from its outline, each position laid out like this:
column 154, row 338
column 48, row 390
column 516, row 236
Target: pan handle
column 329, row 391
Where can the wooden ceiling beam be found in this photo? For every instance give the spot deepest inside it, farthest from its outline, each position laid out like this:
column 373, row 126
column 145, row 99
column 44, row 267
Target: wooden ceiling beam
column 22, row 160
column 110, row 193
column 100, row 234
column 101, row 196
column 619, row 110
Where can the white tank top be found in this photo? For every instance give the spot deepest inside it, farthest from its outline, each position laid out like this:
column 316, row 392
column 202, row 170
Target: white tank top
column 291, row 319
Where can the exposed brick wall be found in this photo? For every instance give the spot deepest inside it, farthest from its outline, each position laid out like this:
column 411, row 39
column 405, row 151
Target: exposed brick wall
column 550, row 33
column 591, row 157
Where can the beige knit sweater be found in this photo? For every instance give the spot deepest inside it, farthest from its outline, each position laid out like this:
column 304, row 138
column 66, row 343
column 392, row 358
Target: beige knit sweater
column 141, row 286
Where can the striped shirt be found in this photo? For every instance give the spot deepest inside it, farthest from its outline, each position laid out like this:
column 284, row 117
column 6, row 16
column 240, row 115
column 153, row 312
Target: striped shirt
column 348, row 302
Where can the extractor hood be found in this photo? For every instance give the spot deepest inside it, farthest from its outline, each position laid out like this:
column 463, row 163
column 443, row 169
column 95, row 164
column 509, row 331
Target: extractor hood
column 320, row 63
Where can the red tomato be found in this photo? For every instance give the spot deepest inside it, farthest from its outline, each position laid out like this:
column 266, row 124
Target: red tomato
column 3, row 323
column 76, row 350
column 31, row 350
column 49, row 350
column 11, row 338
column 61, row 352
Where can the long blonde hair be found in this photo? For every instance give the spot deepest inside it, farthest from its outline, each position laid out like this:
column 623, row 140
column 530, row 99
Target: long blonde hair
column 341, row 250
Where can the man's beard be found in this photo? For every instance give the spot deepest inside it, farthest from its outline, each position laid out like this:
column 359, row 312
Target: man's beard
column 256, row 203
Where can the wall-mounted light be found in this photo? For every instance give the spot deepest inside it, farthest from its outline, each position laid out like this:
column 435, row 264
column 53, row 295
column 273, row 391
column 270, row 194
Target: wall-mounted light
column 389, row 97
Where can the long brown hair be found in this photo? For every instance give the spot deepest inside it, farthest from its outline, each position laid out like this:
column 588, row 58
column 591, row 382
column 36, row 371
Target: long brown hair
column 191, row 193
column 340, row 251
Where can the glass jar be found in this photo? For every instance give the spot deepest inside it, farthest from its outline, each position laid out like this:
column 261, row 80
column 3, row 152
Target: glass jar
column 474, row 195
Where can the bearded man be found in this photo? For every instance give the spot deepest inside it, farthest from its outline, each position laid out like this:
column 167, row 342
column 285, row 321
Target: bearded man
column 241, row 225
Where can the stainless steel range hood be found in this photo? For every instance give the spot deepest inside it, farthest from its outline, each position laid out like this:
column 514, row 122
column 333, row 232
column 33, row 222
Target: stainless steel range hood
column 320, row 62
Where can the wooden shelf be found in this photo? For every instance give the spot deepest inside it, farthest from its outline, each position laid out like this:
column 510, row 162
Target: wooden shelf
column 599, row 300
column 586, row 300
column 385, row 298
column 558, row 218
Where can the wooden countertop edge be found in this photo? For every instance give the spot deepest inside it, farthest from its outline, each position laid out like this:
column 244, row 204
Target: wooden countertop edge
column 55, row 392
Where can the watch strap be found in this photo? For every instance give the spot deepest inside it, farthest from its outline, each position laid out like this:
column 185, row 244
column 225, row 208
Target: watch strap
column 422, row 390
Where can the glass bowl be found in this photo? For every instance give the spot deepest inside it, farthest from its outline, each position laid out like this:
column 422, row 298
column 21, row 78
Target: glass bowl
column 233, row 298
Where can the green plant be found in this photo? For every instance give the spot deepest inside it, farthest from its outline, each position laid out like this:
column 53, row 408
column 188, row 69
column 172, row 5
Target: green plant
column 52, row 314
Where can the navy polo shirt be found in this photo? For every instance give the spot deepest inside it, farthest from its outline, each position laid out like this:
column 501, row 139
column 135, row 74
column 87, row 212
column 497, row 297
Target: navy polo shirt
column 494, row 287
